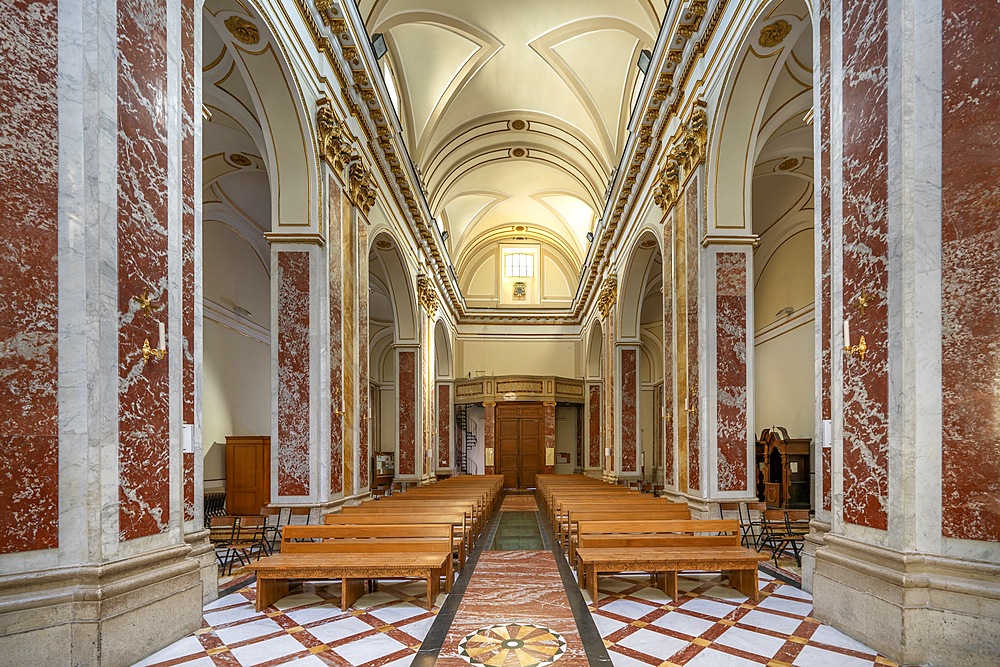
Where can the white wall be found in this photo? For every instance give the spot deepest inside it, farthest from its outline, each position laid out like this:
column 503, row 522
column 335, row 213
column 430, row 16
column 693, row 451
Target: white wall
column 566, row 438
column 513, row 357
column 784, row 385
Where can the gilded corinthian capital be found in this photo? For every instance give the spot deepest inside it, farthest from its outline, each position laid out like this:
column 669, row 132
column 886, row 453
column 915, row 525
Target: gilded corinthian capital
column 361, row 187
column 336, row 144
column 609, row 294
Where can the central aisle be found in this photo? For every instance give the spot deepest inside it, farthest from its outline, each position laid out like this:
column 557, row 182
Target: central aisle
column 509, row 591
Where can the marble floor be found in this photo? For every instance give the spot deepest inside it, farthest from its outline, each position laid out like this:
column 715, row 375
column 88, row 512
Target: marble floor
column 515, row 608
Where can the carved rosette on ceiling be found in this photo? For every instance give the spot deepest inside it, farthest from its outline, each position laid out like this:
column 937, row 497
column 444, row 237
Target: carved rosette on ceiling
column 774, row 34
column 426, row 294
column 243, row 30
column 361, row 187
column 609, row 295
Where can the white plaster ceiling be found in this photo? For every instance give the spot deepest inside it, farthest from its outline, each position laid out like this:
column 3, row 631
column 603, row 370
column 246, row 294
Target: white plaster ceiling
column 515, row 113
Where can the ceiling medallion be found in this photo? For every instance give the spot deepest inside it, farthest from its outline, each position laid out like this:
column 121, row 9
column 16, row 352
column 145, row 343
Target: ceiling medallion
column 242, row 30
column 789, row 164
column 520, row 228
column 518, row 152
column 382, row 244
column 512, row 644
column 240, row 160
column 518, row 125
column 774, row 34
column 647, row 243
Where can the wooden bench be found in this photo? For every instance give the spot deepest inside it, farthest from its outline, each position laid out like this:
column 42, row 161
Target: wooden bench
column 355, row 554
column 663, row 512
column 665, row 548
column 362, row 516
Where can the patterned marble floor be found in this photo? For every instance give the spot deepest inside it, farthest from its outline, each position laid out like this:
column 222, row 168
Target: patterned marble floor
column 307, row 629
column 712, row 625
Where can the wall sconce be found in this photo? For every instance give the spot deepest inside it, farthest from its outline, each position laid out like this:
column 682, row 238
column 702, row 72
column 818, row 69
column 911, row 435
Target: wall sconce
column 861, row 349
column 157, row 353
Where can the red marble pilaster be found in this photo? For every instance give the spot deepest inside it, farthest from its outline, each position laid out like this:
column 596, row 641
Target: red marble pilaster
column 594, row 426
column 407, row 387
column 143, row 389
column 188, row 162
column 669, row 347
column 29, row 209
column 336, row 212
column 293, row 373
column 866, row 251
column 578, row 463
column 731, row 370
column 489, row 431
column 444, row 425
column 630, row 410
column 692, row 247
column 825, row 300
column 364, row 408
column 970, row 257
column 549, row 424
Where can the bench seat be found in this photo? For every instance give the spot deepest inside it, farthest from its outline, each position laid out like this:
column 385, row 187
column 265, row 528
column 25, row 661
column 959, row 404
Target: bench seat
column 736, row 562
column 275, row 572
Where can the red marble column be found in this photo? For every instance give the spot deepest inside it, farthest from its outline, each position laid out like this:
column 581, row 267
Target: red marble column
column 292, row 448
column 578, row 464
column 29, row 208
column 549, row 419
column 970, row 266
column 731, row 370
column 865, row 256
column 669, row 347
column 364, row 409
column 444, row 426
column 489, row 433
column 823, row 237
column 336, row 210
column 407, row 398
column 143, row 390
column 594, row 426
column 692, row 249
column 188, row 162
column 629, row 410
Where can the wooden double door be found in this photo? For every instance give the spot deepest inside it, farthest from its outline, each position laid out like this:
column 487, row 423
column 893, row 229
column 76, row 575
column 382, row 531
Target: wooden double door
column 520, row 443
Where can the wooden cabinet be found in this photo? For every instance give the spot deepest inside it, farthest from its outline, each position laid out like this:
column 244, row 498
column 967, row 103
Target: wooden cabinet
column 248, row 473
column 783, row 468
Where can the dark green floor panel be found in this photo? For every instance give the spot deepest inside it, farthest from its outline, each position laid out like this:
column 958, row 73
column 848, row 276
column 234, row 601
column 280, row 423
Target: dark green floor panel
column 517, row 531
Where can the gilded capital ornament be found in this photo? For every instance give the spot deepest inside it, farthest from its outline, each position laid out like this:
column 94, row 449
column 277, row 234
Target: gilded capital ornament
column 243, row 30
column 608, row 296
column 426, row 294
column 361, row 187
column 335, row 139
column 665, row 192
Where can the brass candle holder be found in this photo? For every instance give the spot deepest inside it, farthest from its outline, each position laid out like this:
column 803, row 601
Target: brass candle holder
column 151, row 352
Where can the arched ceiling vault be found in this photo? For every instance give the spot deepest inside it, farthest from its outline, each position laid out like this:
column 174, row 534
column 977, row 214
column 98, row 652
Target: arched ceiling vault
column 515, row 114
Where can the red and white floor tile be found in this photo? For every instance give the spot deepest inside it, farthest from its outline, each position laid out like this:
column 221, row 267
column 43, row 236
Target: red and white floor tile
column 712, row 625
column 307, row 629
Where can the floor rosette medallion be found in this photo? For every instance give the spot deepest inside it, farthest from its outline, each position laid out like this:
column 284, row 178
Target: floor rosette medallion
column 512, row 645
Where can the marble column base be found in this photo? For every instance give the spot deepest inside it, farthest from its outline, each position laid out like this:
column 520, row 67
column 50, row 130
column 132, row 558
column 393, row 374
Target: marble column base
column 931, row 610
column 813, row 541
column 108, row 615
column 203, row 551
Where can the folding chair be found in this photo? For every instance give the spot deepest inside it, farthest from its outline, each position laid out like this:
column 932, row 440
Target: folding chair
column 778, row 535
column 272, row 526
column 249, row 540
column 222, row 534
column 745, row 527
column 755, row 522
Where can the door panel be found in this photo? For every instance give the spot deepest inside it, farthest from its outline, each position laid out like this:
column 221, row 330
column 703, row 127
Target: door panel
column 520, row 442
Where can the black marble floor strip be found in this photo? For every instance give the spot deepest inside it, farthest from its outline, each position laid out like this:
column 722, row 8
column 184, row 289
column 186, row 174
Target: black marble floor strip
column 431, row 646
column 593, row 643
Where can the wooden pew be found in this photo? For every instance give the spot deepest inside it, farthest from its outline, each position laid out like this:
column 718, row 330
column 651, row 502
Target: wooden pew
column 664, row 512
column 363, row 516
column 665, row 548
column 354, row 554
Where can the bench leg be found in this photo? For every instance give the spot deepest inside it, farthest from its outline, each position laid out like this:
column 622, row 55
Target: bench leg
column 667, row 582
column 591, row 571
column 350, row 591
column 433, row 577
column 270, row 591
column 745, row 581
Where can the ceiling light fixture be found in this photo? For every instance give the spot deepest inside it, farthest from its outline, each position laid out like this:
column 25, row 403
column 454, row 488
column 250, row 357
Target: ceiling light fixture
column 378, row 45
column 645, row 58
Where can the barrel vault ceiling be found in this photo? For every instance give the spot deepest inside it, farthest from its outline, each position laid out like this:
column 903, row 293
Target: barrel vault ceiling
column 515, row 112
